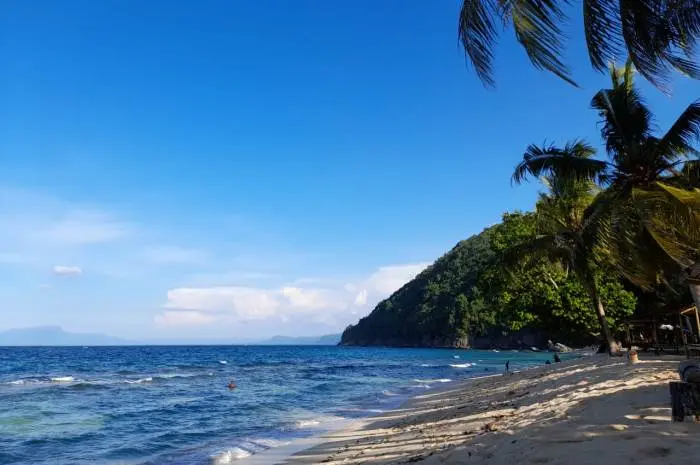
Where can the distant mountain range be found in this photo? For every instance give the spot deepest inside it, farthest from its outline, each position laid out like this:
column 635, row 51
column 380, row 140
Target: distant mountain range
column 56, row 336
column 327, row 340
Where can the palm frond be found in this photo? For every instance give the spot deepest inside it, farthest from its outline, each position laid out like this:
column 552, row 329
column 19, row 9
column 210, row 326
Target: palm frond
column 679, row 139
column 626, row 122
column 672, row 217
column 477, row 34
column 549, row 247
column 536, row 24
column 537, row 28
column 679, row 29
column 690, row 175
column 573, row 161
column 658, row 36
column 640, row 19
column 602, row 27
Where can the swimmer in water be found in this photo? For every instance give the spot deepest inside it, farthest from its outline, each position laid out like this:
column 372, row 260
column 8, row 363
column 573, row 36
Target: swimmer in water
column 232, row 384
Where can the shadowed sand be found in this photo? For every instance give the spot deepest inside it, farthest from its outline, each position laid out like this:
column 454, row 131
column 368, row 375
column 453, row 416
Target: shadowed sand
column 594, row 411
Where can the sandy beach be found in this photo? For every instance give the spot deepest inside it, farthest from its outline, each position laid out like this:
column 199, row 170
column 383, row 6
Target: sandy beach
column 594, row 410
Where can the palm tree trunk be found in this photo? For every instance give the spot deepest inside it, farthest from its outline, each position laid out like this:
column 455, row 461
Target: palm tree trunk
column 694, row 284
column 695, row 292
column 608, row 344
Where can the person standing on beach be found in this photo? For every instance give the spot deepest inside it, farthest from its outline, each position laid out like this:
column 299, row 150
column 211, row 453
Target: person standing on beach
column 508, row 366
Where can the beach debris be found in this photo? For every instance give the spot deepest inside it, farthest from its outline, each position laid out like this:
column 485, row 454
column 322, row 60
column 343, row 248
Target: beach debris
column 557, row 347
column 489, row 427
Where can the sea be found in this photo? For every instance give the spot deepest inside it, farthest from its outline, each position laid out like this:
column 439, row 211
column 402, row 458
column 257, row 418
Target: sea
column 171, row 405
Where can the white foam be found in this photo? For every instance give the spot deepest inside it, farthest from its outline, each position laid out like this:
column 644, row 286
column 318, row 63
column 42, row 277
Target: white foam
column 426, row 365
column 229, row 456
column 223, row 362
column 17, row 382
column 455, row 356
column 441, row 380
column 389, row 393
column 306, row 423
column 62, row 379
column 139, row 381
column 421, row 386
column 462, row 365
column 270, row 443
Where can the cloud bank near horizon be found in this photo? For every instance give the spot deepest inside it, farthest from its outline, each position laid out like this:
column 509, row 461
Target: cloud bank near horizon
column 113, row 273
column 334, row 305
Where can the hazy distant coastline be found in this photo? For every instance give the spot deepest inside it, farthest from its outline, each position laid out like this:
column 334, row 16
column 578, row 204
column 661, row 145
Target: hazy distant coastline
column 57, row 336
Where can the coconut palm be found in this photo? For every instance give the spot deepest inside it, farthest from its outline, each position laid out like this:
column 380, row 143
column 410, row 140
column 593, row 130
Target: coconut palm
column 671, row 217
column 562, row 224
column 646, row 216
column 658, row 35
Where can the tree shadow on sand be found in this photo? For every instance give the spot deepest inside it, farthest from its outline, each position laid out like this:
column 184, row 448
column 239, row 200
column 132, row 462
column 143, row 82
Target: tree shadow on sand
column 595, row 411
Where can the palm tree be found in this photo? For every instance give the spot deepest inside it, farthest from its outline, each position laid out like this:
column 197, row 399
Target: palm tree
column 671, row 217
column 658, row 35
column 562, row 224
column 647, row 216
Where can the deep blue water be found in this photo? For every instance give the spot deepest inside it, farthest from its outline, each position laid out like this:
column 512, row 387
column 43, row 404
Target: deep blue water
column 163, row 405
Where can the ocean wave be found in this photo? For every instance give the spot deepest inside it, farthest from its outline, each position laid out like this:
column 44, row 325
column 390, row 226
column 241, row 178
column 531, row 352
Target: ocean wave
column 360, row 410
column 182, row 375
column 230, row 456
column 19, row 382
column 306, row 423
column 389, row 393
column 223, row 362
column 427, row 365
column 62, row 379
column 441, row 380
column 420, row 386
column 455, row 356
column 245, row 449
column 148, row 379
column 462, row 365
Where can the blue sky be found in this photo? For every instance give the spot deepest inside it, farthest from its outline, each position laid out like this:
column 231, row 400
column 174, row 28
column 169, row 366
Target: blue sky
column 250, row 168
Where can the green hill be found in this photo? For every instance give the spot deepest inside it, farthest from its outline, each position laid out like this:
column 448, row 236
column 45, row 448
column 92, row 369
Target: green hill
column 466, row 298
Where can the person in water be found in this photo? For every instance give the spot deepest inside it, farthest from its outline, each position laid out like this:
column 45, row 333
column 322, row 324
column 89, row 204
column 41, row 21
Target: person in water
column 556, row 358
column 232, row 384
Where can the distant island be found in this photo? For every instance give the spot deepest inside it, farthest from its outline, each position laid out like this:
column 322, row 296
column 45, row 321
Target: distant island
column 327, row 340
column 57, row 336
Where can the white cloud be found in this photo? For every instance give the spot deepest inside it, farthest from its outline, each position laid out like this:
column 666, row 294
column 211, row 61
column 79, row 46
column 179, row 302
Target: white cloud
column 41, row 230
column 334, row 306
column 390, row 278
column 64, row 270
column 309, row 299
column 361, row 298
column 242, row 302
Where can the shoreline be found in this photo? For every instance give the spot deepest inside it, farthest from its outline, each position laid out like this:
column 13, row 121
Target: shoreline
column 588, row 410
column 288, row 451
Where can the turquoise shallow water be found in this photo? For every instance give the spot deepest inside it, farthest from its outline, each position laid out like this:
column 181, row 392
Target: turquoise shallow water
column 170, row 405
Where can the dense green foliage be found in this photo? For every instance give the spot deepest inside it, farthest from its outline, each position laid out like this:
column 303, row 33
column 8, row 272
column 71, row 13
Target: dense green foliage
column 438, row 307
column 559, row 270
column 466, row 292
